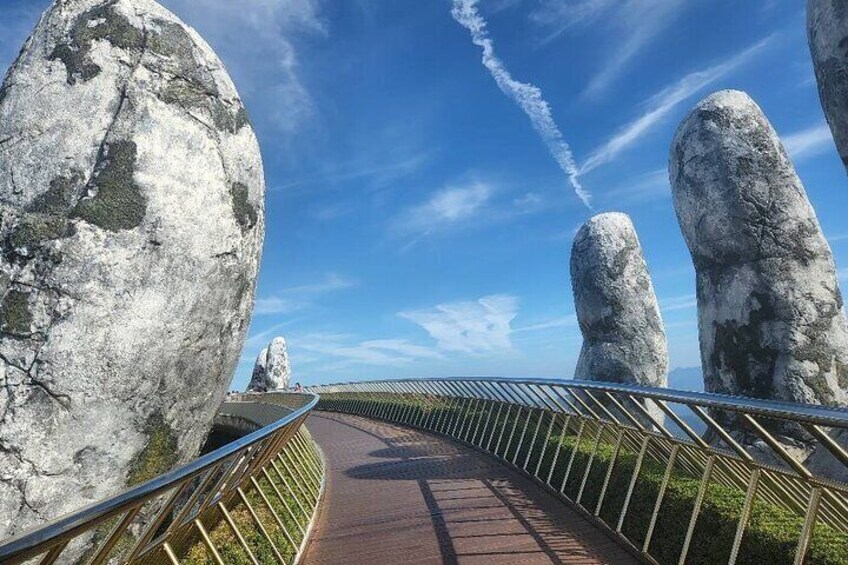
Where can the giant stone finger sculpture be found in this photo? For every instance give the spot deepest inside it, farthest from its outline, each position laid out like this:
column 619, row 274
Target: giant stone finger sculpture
column 623, row 336
column 272, row 370
column 769, row 307
column 827, row 34
column 132, row 198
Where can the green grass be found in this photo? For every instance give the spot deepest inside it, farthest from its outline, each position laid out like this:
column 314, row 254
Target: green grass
column 228, row 545
column 771, row 536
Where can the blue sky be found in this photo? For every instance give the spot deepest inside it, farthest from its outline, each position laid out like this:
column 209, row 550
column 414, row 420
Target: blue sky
column 422, row 199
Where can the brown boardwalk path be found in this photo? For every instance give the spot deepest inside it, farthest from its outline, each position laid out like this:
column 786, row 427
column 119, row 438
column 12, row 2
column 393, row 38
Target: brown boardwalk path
column 397, row 495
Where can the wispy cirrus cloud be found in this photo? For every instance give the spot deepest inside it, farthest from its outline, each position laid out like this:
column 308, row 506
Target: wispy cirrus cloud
column 674, row 303
column 527, row 96
column 473, row 327
column 662, row 103
column 634, row 24
column 375, row 173
column 446, row 208
column 296, row 298
column 566, row 321
column 646, row 187
column 808, row 142
column 257, row 40
column 344, row 349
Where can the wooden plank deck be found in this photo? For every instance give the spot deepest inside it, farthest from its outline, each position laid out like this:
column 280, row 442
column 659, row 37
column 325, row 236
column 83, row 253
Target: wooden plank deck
column 397, row 495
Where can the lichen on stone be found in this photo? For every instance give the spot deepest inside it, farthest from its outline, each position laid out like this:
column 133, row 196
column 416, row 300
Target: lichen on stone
column 117, row 202
column 35, row 229
column 159, row 454
column 244, row 211
column 99, row 23
column 191, row 86
column 61, row 196
column 16, row 317
column 740, row 348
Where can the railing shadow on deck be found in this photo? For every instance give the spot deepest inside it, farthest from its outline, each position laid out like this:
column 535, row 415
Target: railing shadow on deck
column 753, row 489
column 436, row 467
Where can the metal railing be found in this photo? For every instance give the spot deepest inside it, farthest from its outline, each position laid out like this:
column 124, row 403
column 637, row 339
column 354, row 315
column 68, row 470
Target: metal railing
column 653, row 467
column 255, row 497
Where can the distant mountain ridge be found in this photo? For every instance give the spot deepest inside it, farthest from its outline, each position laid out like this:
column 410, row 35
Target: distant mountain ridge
column 686, row 378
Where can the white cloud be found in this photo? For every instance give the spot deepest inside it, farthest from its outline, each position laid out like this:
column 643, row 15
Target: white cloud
column 446, row 208
column 559, row 322
column 634, row 22
column 346, row 349
column 473, row 327
column 674, row 303
column 275, row 305
column 527, row 96
column 661, row 104
column 256, row 341
column 808, row 142
column 298, row 297
column 377, row 173
column 256, row 40
column 838, row 237
column 559, row 16
column 647, row 187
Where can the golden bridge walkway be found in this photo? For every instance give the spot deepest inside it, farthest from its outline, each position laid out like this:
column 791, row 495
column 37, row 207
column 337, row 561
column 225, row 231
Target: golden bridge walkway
column 398, row 495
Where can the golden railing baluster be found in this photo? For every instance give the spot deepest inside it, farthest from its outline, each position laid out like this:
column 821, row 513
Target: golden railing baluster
column 208, row 541
column 597, row 443
column 696, row 509
column 170, row 554
column 243, row 542
column 809, row 525
column 636, row 469
column 745, row 515
column 608, row 474
column 119, row 530
column 54, row 553
column 563, row 431
column 573, row 455
column 669, row 469
column 280, row 524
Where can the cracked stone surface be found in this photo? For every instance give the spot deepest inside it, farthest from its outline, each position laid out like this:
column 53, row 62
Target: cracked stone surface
column 623, row 336
column 132, row 200
column 770, row 311
column 272, row 370
column 827, row 34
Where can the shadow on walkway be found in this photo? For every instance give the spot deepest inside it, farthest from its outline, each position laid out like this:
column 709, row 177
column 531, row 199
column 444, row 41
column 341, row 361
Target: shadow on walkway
column 398, row 495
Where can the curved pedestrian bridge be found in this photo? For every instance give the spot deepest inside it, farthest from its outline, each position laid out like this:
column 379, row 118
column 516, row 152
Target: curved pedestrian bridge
column 400, row 495
column 482, row 470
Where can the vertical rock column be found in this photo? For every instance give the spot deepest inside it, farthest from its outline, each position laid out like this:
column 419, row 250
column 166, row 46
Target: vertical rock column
column 623, row 336
column 272, row 370
column 131, row 227
column 827, row 32
column 770, row 311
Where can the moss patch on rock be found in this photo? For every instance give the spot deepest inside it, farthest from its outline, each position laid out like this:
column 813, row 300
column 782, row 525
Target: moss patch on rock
column 117, row 203
column 16, row 317
column 158, row 456
column 99, row 23
column 244, row 211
